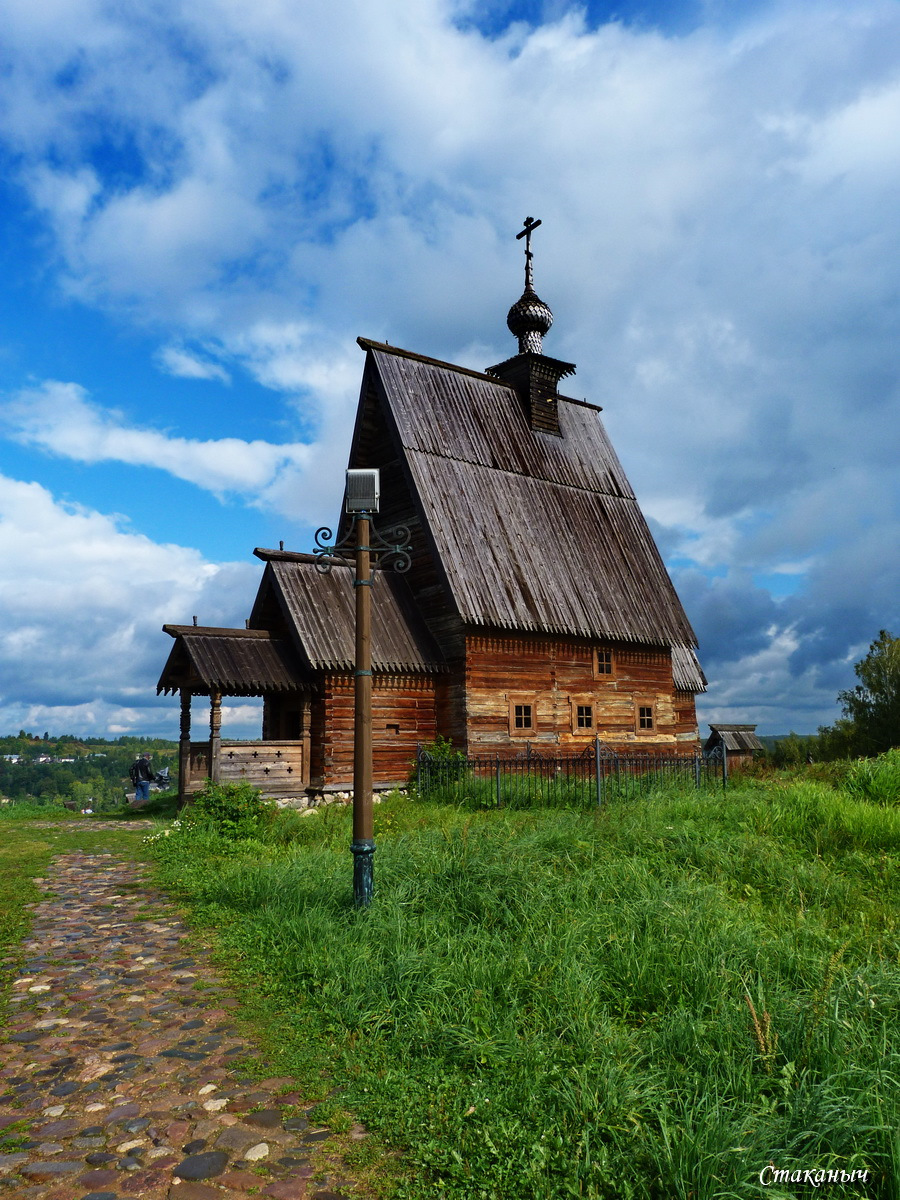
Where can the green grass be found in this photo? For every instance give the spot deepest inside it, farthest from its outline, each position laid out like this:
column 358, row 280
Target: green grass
column 35, row 810
column 649, row 1002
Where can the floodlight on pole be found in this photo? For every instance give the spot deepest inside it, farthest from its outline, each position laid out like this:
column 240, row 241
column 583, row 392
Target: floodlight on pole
column 363, row 492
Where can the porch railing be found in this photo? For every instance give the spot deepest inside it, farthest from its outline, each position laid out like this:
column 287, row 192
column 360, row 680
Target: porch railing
column 276, row 768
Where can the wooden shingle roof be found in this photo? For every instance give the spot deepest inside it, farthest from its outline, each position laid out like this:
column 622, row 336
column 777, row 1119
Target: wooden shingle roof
column 687, row 674
column 319, row 610
column 532, row 531
column 234, row 662
column 734, row 737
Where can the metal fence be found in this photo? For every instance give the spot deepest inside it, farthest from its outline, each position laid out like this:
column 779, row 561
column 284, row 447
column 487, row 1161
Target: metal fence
column 535, row 779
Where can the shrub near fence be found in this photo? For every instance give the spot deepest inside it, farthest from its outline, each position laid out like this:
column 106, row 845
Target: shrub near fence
column 560, row 781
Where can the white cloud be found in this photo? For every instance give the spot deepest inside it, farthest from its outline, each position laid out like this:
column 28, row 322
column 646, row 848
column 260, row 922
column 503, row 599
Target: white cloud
column 719, row 246
column 175, row 360
column 81, row 614
column 59, row 418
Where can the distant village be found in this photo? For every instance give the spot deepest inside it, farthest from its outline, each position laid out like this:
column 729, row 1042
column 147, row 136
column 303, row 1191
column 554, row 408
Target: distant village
column 45, row 758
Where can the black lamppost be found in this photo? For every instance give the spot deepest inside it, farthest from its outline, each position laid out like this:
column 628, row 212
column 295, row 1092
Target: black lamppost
column 362, row 547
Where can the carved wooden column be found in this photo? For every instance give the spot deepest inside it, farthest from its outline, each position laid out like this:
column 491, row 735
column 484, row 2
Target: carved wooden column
column 305, row 737
column 215, row 734
column 184, row 747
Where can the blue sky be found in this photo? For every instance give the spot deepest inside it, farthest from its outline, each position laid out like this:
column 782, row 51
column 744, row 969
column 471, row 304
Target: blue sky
column 203, row 207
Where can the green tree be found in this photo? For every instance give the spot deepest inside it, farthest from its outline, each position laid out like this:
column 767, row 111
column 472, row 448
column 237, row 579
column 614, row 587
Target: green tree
column 872, row 708
column 793, row 750
column 836, row 741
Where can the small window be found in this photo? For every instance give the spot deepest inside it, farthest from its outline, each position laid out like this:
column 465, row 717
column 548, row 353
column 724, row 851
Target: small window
column 523, row 715
column 393, row 729
column 603, row 662
column 645, row 716
column 584, row 717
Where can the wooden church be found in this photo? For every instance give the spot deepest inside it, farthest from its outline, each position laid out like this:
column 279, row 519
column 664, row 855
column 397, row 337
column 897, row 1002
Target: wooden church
column 537, row 609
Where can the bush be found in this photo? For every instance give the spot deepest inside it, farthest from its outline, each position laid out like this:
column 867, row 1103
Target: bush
column 234, row 810
column 446, row 764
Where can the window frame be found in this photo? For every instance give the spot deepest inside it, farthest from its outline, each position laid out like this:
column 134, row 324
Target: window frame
column 645, row 702
column 586, row 701
column 595, row 662
column 522, row 700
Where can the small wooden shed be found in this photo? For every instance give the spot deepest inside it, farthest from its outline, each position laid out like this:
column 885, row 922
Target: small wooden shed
column 738, row 743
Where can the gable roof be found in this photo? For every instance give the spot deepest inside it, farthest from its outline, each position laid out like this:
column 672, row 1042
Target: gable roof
column 320, row 612
column 235, row 662
column 734, row 737
column 531, row 531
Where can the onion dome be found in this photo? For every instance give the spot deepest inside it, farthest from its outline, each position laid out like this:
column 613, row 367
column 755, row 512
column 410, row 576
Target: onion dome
column 528, row 320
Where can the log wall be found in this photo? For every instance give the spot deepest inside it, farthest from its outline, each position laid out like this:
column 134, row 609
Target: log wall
column 554, row 676
column 403, row 715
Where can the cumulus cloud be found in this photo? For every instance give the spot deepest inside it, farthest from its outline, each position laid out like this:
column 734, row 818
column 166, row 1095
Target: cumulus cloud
column 59, row 418
column 719, row 246
column 83, row 611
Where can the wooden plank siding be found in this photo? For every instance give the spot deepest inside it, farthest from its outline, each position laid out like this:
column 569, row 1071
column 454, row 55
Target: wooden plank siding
column 555, row 675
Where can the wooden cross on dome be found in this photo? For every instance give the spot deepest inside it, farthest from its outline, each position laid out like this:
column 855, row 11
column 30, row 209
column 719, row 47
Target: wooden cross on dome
column 530, row 225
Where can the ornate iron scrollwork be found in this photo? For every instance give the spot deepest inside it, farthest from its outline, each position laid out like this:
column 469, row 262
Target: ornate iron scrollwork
column 390, row 550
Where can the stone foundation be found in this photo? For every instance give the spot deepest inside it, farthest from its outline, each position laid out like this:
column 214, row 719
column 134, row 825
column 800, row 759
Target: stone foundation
column 313, row 799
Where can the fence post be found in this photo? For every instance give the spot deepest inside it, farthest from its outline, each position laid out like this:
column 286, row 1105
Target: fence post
column 597, row 770
column 497, row 780
column 724, row 767
column 697, row 770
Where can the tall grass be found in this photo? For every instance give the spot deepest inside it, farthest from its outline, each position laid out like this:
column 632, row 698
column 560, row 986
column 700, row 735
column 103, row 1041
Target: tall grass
column 876, row 779
column 650, row 1001
column 27, row 810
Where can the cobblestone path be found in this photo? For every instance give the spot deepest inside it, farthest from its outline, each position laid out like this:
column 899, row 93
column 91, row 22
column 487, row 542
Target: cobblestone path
column 116, row 1076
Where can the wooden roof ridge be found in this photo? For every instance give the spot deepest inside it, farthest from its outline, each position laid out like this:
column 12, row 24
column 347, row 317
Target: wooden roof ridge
column 486, row 376
column 734, row 737
column 386, row 348
column 176, row 631
column 284, row 555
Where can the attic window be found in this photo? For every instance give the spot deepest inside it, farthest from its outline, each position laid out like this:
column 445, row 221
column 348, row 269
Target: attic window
column 603, row 662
